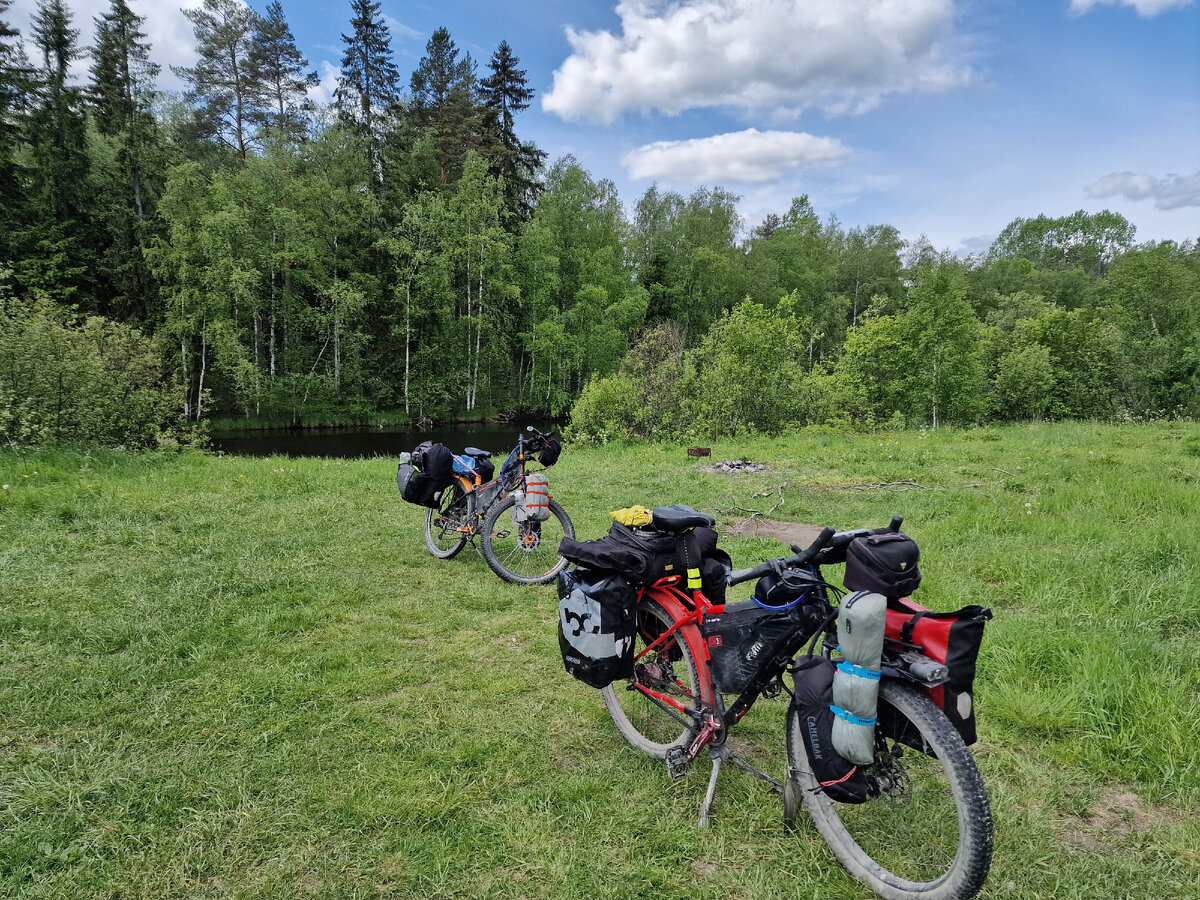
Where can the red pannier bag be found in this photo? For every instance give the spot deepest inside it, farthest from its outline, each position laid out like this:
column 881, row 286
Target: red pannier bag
column 951, row 638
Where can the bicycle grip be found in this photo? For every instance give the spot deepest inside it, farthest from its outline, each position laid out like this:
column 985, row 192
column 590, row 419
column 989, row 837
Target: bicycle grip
column 803, row 559
column 740, row 575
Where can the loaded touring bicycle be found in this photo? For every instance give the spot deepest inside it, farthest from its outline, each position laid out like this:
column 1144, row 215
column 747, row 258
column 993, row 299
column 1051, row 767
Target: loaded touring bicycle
column 911, row 817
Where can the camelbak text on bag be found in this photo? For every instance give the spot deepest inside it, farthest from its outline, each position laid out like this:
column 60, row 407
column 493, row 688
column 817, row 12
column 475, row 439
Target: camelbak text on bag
column 840, row 779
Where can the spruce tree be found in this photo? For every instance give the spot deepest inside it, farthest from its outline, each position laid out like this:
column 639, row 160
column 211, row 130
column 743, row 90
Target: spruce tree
column 504, row 93
column 122, row 94
column 16, row 83
column 445, row 105
column 56, row 256
column 369, row 88
column 279, row 67
column 223, row 88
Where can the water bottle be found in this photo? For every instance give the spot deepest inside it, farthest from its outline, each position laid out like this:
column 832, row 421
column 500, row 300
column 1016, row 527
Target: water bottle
column 860, row 626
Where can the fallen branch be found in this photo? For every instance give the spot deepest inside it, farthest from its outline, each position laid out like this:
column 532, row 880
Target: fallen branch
column 753, row 513
column 885, row 484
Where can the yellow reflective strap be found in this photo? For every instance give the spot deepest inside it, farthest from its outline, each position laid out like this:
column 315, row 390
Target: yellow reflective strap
column 694, row 579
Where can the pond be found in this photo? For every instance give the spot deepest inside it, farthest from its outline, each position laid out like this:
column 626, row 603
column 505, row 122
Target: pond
column 346, row 443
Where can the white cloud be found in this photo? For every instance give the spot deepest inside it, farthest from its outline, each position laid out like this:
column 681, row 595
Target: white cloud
column 838, row 55
column 322, row 92
column 1171, row 192
column 1145, row 8
column 169, row 33
column 743, row 157
column 399, row 29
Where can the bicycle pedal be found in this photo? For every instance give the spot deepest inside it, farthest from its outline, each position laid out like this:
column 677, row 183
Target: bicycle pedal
column 678, row 762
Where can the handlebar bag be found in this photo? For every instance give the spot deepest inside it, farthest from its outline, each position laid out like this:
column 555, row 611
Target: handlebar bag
column 550, row 453
column 952, row 638
column 597, row 622
column 840, row 779
column 883, row 564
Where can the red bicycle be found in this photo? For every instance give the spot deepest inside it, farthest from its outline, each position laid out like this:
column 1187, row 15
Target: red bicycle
column 926, row 831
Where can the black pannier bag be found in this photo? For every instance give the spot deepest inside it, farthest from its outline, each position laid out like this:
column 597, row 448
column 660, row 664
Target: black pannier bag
column 550, row 453
column 417, row 487
column 883, row 563
column 746, row 641
column 434, row 464
column 840, row 779
column 952, row 638
column 597, row 622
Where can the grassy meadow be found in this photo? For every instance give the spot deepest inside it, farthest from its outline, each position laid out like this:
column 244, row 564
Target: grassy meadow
column 225, row 677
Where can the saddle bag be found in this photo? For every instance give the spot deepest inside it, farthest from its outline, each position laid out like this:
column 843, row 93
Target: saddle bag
column 840, row 779
column 597, row 622
column 951, row 638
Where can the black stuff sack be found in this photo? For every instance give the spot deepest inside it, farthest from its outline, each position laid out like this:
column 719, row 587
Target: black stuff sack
column 597, row 622
column 883, row 564
column 434, row 460
column 840, row 779
column 952, row 638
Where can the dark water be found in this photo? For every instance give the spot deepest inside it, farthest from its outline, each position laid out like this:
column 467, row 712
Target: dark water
column 347, row 443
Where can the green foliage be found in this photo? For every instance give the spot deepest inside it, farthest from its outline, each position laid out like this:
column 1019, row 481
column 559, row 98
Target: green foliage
column 93, row 383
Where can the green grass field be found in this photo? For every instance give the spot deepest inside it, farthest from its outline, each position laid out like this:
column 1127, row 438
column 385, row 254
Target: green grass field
column 230, row 677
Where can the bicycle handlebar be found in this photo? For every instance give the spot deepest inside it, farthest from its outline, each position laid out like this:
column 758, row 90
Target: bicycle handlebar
column 827, row 545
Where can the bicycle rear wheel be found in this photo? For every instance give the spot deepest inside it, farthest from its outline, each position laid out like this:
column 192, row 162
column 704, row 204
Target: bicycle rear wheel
column 446, row 527
column 525, row 552
column 928, row 834
column 652, row 723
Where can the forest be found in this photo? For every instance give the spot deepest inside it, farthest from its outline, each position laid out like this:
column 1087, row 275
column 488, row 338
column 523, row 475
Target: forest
column 238, row 253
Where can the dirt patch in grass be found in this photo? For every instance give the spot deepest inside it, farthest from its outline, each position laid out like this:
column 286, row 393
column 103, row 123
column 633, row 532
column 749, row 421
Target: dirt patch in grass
column 784, row 532
column 1116, row 815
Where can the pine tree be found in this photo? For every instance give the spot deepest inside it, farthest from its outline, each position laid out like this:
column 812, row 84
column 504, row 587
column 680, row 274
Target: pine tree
column 122, row 95
column 504, row 93
column 279, row 67
column 444, row 103
column 369, row 88
column 223, row 87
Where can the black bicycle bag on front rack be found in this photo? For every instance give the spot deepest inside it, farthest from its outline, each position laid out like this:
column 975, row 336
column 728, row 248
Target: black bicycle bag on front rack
column 597, row 622
column 840, row 779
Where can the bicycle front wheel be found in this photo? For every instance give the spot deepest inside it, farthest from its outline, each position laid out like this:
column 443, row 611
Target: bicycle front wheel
column 928, row 833
column 447, row 526
column 524, row 552
column 654, row 710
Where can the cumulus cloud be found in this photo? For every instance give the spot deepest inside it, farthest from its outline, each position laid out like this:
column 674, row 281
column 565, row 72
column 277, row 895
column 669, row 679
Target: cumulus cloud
column 1171, row 192
column 172, row 42
column 743, row 157
column 841, row 56
column 1145, row 8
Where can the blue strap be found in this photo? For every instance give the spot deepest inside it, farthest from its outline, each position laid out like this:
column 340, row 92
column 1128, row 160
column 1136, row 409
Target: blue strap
column 851, row 669
column 851, row 717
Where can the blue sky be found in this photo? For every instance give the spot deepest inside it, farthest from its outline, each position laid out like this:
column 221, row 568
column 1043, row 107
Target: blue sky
column 947, row 118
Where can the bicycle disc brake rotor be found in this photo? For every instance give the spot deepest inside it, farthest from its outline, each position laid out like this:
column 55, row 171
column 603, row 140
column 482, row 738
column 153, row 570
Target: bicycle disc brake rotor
column 530, row 538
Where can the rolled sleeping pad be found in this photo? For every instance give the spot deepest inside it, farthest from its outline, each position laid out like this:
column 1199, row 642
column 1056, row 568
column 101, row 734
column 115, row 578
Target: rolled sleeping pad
column 861, row 620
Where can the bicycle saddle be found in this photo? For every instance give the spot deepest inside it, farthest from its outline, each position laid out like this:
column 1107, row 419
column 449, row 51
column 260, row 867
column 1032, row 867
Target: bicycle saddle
column 475, row 451
column 680, row 518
